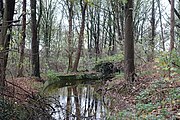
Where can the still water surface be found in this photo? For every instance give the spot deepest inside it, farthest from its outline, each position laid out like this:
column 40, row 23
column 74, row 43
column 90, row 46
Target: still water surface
column 80, row 103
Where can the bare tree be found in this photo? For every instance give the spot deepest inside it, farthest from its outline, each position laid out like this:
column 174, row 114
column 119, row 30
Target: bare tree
column 48, row 10
column 161, row 25
column 83, row 4
column 35, row 42
column 5, row 37
column 1, row 8
column 151, row 42
column 70, row 33
column 22, row 43
column 129, row 42
column 172, row 26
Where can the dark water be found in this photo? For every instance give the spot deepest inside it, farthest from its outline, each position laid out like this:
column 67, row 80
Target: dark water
column 80, row 102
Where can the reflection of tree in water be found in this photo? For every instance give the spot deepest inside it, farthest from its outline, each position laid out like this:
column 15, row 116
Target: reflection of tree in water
column 76, row 101
column 80, row 103
column 68, row 103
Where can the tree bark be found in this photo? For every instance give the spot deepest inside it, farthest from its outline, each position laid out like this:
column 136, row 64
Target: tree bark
column 172, row 26
column 151, row 42
column 161, row 25
column 81, row 35
column 35, row 42
column 118, row 13
column 91, row 29
column 1, row 8
column 5, row 39
column 175, row 11
column 129, row 42
column 70, row 34
column 22, row 44
column 110, row 33
column 104, row 33
column 97, row 30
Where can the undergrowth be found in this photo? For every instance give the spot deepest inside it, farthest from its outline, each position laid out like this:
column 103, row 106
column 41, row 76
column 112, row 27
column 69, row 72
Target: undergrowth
column 169, row 62
column 9, row 110
column 159, row 101
column 52, row 82
column 114, row 58
column 37, row 108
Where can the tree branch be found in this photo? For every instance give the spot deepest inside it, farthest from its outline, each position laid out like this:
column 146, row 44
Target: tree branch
column 175, row 11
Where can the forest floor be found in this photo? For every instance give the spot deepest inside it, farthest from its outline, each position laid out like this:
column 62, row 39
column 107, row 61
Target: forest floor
column 22, row 88
column 153, row 93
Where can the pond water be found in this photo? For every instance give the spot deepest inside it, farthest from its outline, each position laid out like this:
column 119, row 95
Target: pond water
column 80, row 102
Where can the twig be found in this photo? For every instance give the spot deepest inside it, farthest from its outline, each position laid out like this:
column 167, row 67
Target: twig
column 18, row 87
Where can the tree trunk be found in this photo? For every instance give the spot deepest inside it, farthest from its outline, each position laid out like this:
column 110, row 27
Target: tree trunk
column 1, row 8
column 5, row 39
column 88, row 35
column 118, row 13
column 161, row 25
column 114, row 27
column 122, row 20
column 110, row 33
column 151, row 42
column 22, row 44
column 91, row 29
column 103, row 31
column 114, row 49
column 70, row 51
column 129, row 42
column 172, row 26
column 46, row 39
column 81, row 35
column 35, row 42
column 97, row 30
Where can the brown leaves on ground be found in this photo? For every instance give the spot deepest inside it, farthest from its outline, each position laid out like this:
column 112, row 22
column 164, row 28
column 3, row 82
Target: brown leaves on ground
column 123, row 94
column 20, row 89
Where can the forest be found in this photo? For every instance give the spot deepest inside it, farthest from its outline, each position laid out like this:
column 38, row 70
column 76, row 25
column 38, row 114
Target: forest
column 89, row 59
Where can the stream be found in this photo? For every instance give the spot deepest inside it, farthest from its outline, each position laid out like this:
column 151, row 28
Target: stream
column 80, row 102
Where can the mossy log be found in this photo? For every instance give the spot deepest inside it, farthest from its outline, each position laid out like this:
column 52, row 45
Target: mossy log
column 81, row 76
column 71, row 79
column 107, row 68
